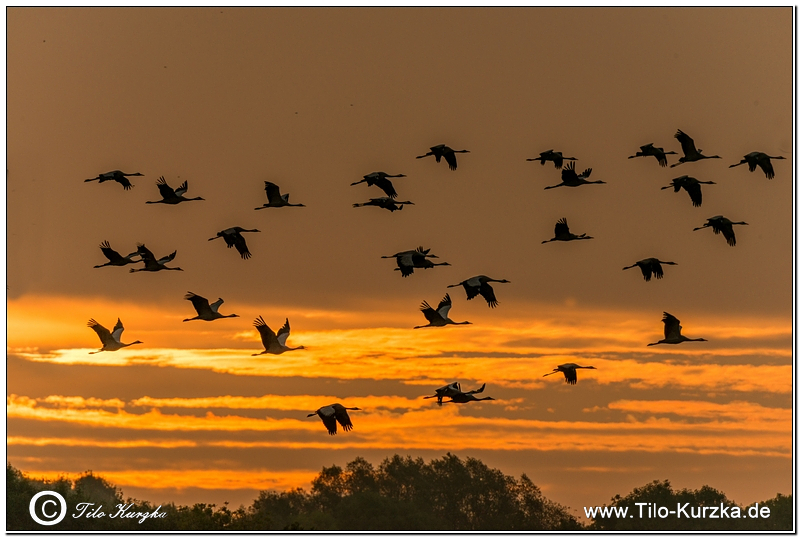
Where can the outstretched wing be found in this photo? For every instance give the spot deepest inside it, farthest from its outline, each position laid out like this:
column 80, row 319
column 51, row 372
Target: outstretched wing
column 488, row 293
column 165, row 190
column 145, row 253
column 694, row 191
column 672, row 326
column 386, row 185
column 112, row 255
column 562, row 229
column 241, row 246
column 450, row 157
column 168, row 258
column 687, row 144
column 268, row 337
column 180, row 191
column 344, row 419
column 406, row 263
column 766, row 165
column 655, row 266
column 328, row 416
column 444, row 306
column 273, row 192
column 283, row 333
column 568, row 174
column 430, row 314
column 117, row 333
column 571, row 375
column 101, row 331
column 199, row 303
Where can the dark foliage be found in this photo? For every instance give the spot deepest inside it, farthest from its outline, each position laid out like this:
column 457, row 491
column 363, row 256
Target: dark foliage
column 402, row 493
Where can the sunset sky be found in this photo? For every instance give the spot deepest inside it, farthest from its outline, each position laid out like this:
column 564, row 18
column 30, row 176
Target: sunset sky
column 313, row 99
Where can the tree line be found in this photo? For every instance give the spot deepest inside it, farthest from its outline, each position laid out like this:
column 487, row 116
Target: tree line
column 402, row 493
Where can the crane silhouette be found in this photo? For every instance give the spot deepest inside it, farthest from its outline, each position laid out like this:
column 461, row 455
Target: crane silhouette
column 672, row 332
column 206, row 311
column 333, row 413
column 110, row 340
column 550, row 155
column 379, row 179
column 172, row 197
column 721, row 225
column 649, row 267
column 659, row 153
column 691, row 186
column 233, row 238
column 465, row 397
column 438, row 317
column 275, row 198
column 274, row 344
column 408, row 260
column 448, row 153
column 690, row 153
column 114, row 257
column 385, row 202
column 448, row 391
column 570, row 371
column 150, row 262
column 116, row 175
column 570, row 178
column 562, row 233
column 757, row 158
column 480, row 285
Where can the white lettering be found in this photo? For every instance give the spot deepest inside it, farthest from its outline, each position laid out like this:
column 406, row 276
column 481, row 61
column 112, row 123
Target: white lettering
column 49, row 501
column 640, row 509
column 753, row 511
column 682, row 509
column 82, row 507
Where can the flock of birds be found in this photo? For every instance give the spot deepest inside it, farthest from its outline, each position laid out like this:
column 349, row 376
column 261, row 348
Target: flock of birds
column 420, row 258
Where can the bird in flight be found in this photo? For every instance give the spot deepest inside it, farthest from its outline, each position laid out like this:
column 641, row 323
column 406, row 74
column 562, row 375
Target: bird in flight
column 672, row 332
column 721, row 225
column 555, row 156
column 172, row 197
column 150, row 262
column 233, row 238
column 570, row 178
column 333, row 413
column 480, row 285
column 408, row 260
column 649, row 267
column 275, row 198
column 562, row 233
column 379, row 180
column 438, row 317
column 691, row 186
column 659, row 153
column 206, row 311
column 690, row 153
column 116, row 175
column 448, row 153
column 114, row 257
column 110, row 340
column 274, row 344
column 570, row 371
column 757, row 158
column 385, row 202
